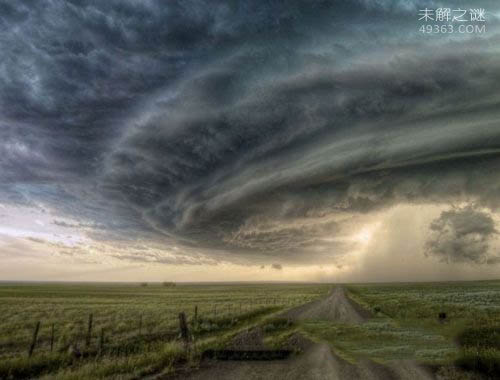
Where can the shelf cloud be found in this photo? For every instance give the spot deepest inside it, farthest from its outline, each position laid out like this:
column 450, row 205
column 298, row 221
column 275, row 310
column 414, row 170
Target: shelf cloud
column 248, row 133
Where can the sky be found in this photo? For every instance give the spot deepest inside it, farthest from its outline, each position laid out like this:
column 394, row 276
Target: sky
column 292, row 140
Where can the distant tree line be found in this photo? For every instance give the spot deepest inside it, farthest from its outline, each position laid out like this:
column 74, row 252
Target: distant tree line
column 167, row 284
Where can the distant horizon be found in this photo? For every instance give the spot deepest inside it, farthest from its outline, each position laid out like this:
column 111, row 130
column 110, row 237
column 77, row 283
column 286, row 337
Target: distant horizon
column 238, row 282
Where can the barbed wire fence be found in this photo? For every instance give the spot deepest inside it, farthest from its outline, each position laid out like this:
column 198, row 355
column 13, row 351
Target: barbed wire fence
column 97, row 334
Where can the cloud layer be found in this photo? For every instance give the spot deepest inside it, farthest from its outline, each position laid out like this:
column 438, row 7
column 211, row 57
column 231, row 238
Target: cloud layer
column 249, row 133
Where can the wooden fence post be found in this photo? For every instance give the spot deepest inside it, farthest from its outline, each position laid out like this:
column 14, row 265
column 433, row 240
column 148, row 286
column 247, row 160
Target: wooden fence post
column 52, row 338
column 183, row 327
column 33, row 340
column 101, row 342
column 89, row 331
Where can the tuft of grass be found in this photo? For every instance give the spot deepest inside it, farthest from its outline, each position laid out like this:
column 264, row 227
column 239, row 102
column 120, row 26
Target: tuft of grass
column 482, row 360
column 163, row 359
column 482, row 337
column 481, row 350
column 277, row 324
column 24, row 367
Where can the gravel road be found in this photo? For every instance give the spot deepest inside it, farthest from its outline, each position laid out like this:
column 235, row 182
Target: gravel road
column 316, row 361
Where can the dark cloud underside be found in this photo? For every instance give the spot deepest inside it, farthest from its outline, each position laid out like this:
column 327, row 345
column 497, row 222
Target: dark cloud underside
column 243, row 129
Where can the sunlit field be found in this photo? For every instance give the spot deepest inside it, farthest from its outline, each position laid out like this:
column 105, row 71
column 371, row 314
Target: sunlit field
column 132, row 330
column 139, row 323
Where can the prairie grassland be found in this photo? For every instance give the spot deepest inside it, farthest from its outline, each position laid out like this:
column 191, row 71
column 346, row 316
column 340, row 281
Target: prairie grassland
column 406, row 324
column 140, row 324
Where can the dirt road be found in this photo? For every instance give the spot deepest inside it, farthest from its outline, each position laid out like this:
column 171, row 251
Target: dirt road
column 317, row 361
column 335, row 307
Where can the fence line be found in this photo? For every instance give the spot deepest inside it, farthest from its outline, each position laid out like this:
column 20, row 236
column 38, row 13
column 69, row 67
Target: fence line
column 150, row 323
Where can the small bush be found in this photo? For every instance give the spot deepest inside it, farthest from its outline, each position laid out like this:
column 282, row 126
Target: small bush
column 144, row 284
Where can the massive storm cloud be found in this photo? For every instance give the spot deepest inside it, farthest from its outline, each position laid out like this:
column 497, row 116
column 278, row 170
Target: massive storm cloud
column 246, row 132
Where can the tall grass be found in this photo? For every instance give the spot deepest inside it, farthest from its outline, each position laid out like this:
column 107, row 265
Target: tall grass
column 140, row 323
column 482, row 360
column 473, row 316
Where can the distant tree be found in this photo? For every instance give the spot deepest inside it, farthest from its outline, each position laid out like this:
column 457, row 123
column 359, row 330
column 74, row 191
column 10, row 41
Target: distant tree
column 168, row 284
column 144, row 284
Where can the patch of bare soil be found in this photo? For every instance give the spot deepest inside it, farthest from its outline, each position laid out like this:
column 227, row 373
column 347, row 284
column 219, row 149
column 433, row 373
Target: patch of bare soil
column 454, row 373
column 248, row 340
column 409, row 369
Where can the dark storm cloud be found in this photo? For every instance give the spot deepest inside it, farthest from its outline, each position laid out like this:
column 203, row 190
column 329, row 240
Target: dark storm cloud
column 70, row 72
column 462, row 235
column 291, row 152
column 241, row 128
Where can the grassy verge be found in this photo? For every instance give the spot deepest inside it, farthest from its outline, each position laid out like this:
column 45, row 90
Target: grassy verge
column 382, row 340
column 472, row 322
column 480, row 350
column 136, row 356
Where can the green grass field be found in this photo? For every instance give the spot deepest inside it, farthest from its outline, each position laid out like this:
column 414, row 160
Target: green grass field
column 141, row 325
column 469, row 337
